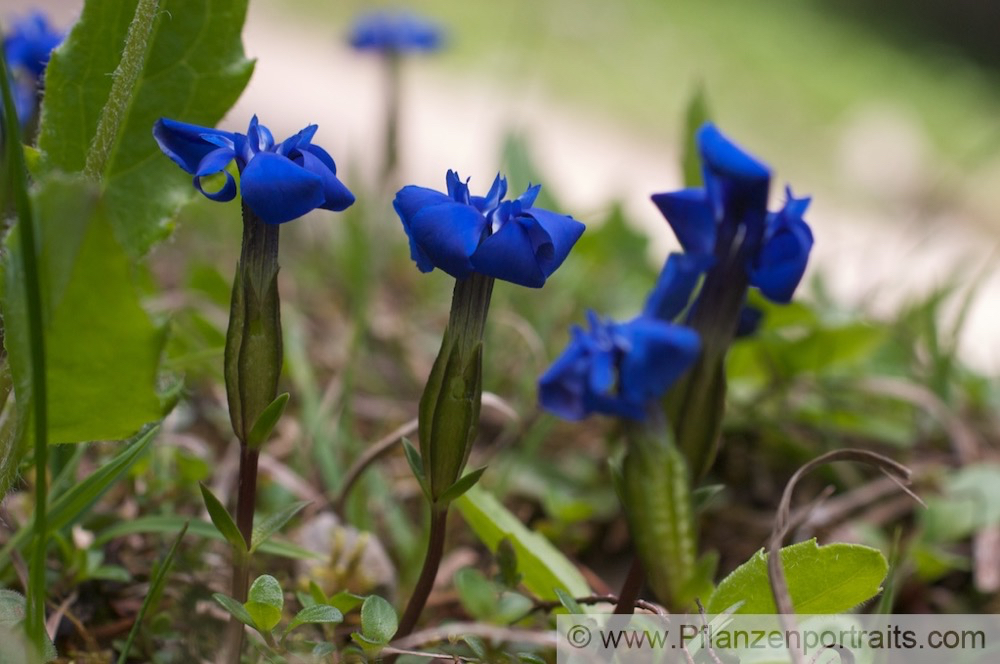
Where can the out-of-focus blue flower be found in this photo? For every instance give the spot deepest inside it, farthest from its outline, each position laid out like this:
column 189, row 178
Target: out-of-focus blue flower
column 728, row 219
column 617, row 368
column 461, row 234
column 27, row 48
column 395, row 32
column 30, row 42
column 279, row 182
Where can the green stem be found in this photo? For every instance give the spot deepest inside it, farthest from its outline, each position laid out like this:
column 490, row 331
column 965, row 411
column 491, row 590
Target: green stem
column 422, row 591
column 123, row 85
column 392, row 105
column 35, row 619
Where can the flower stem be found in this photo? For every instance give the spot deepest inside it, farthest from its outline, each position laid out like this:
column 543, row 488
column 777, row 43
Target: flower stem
column 392, row 104
column 18, row 182
column 123, row 86
column 435, row 551
column 246, row 498
column 631, row 588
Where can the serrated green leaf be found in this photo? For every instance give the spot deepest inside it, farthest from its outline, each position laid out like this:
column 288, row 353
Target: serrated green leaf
column 269, row 525
column 821, row 579
column 265, row 602
column 102, row 349
column 315, row 615
column 463, row 484
column 194, row 71
column 544, row 567
column 223, row 521
column 378, row 620
column 262, row 428
column 234, row 608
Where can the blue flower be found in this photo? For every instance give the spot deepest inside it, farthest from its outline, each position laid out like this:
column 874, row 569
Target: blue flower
column 29, row 43
column 395, row 32
column 617, row 368
column 27, row 48
column 728, row 219
column 279, row 182
column 461, row 234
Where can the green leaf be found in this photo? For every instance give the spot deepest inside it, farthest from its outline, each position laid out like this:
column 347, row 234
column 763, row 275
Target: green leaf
column 265, row 602
column 345, row 601
column 155, row 589
column 969, row 502
column 544, row 567
column 72, row 505
column 506, row 557
column 234, row 608
column 476, row 645
column 266, row 422
column 416, row 466
column 315, row 615
column 102, row 349
column 12, row 611
column 569, row 602
column 477, row 594
column 169, row 524
column 223, row 521
column 378, row 620
column 695, row 116
column 273, row 523
column 821, row 579
column 463, row 484
column 194, row 71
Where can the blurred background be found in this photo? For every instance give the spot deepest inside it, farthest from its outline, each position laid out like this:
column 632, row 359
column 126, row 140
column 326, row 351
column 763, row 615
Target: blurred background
column 887, row 113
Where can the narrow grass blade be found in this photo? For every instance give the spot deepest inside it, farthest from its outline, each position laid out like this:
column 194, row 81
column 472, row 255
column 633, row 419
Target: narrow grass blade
column 155, row 586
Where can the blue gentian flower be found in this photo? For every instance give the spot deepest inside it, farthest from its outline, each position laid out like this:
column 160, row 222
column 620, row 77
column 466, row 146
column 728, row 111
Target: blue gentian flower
column 461, row 234
column 27, row 48
column 29, row 43
column 728, row 219
column 395, row 32
column 620, row 368
column 617, row 368
column 279, row 182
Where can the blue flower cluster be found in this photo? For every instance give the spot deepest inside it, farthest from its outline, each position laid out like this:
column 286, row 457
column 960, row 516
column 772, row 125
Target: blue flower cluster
column 278, row 181
column 461, row 234
column 731, row 241
column 728, row 217
column 26, row 49
column 395, row 32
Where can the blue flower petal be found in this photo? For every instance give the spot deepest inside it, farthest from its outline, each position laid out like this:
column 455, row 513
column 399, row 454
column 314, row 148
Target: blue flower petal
column 320, row 154
column 689, row 214
column 337, row 197
column 562, row 390
column 737, row 184
column 278, row 190
column 561, row 232
column 185, row 143
column 448, row 234
column 412, row 199
column 492, row 199
column 511, row 253
column 227, row 193
column 782, row 260
column 675, row 284
column 660, row 353
column 215, row 161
